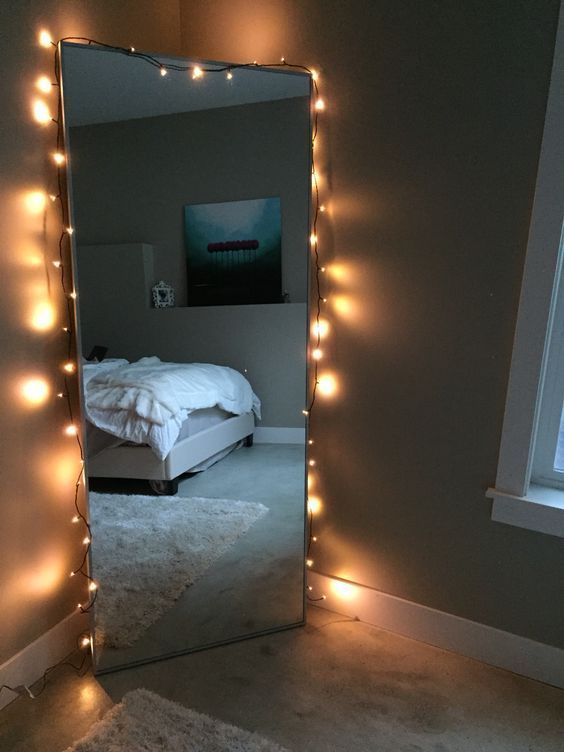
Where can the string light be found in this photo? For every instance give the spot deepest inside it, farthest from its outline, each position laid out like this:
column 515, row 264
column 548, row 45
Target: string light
column 44, row 85
column 45, row 39
column 316, row 354
column 85, row 642
column 35, row 391
column 35, row 202
column 71, row 430
column 43, row 115
column 41, row 112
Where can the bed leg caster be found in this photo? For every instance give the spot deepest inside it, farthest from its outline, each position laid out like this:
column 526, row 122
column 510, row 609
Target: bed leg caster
column 164, row 487
column 248, row 440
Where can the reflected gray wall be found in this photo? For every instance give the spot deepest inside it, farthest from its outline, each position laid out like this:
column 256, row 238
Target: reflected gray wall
column 131, row 179
column 267, row 341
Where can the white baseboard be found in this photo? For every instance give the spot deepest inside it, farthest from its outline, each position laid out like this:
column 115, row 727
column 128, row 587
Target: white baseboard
column 279, row 435
column 520, row 655
column 29, row 665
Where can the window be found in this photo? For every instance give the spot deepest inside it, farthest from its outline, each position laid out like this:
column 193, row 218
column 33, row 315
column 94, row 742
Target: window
column 529, row 488
column 548, row 456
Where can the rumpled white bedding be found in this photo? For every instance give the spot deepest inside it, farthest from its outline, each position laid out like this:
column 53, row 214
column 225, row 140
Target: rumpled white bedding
column 147, row 401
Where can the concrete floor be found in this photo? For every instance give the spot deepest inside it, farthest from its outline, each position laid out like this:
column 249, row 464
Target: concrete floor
column 335, row 685
column 258, row 583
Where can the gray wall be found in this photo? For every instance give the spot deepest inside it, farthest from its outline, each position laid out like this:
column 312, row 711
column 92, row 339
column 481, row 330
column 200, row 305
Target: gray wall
column 139, row 174
column 429, row 143
column 266, row 341
column 38, row 465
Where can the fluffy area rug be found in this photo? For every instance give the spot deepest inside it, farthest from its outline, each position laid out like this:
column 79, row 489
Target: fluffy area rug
column 147, row 549
column 146, row 722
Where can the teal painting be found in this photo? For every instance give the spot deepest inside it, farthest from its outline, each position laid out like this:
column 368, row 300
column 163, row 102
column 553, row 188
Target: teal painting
column 234, row 252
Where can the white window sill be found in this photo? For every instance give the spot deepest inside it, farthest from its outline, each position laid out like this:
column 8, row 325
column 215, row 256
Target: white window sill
column 542, row 509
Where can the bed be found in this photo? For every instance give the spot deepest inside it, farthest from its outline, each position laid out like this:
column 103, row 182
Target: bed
column 155, row 421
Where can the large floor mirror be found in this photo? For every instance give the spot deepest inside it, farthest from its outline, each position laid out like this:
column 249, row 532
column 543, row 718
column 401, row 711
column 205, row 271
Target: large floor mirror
column 189, row 192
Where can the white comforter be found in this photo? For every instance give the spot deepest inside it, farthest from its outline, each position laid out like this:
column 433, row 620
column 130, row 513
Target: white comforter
column 146, row 402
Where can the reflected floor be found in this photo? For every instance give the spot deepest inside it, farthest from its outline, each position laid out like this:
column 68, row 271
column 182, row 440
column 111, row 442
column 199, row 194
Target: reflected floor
column 258, row 584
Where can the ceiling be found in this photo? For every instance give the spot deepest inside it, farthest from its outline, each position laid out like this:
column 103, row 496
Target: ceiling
column 102, row 86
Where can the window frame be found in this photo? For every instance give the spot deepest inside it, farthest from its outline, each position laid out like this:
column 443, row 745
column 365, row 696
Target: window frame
column 516, row 500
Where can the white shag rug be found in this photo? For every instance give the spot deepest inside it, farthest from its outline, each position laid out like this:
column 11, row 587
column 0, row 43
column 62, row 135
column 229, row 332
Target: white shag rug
column 147, row 549
column 144, row 721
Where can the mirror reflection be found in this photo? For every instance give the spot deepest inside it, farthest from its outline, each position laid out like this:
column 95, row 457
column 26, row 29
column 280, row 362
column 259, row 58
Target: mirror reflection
column 190, row 201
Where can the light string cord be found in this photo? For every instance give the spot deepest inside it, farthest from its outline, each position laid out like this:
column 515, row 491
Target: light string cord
column 65, row 252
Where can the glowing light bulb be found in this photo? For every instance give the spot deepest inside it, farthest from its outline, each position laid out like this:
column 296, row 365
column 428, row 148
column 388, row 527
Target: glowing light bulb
column 35, row 202
column 71, row 430
column 58, row 157
column 310, row 588
column 309, row 562
column 311, row 463
column 132, row 49
column 43, row 317
column 57, row 264
column 305, row 412
column 282, row 60
column 53, row 197
column 41, row 112
column 327, row 385
column 35, row 391
column 72, row 295
column 322, row 208
column 163, row 71
column 197, row 72
column 44, row 84
column 310, row 442
column 313, row 239
column 86, row 540
column 320, row 328
column 314, row 74
column 229, row 75
column 317, row 354
column 45, row 39
column 60, row 395
column 75, row 519
column 92, row 587
column 69, row 230
column 71, row 574
column 69, row 367
column 314, row 538
column 85, row 642
column 319, row 104
column 79, row 606
column 313, row 505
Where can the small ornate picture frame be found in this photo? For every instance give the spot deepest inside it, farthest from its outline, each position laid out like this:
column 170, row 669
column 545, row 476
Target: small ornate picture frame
column 163, row 295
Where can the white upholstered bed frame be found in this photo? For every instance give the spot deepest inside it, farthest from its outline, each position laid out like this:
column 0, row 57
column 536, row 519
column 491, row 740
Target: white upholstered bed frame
column 141, row 462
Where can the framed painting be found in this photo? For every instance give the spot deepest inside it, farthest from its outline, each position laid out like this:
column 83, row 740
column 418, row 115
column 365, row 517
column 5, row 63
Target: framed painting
column 234, row 252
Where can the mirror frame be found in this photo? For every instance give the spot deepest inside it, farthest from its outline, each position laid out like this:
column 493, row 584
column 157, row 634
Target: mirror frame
column 313, row 286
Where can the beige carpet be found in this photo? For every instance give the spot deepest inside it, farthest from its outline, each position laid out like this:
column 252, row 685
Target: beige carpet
column 147, row 549
column 146, row 722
